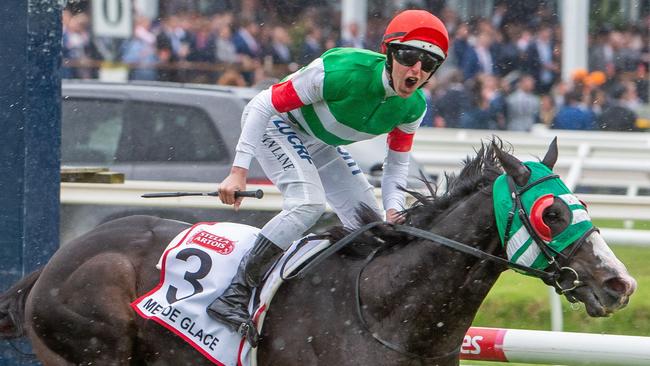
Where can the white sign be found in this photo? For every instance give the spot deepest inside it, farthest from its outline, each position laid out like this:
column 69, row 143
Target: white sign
column 112, row 18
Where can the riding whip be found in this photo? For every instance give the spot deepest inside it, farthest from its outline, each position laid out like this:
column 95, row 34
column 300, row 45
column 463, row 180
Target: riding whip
column 256, row 194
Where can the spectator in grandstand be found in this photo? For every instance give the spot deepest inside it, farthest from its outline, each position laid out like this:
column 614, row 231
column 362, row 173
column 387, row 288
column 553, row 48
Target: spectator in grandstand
column 202, row 47
column 617, row 116
column 78, row 47
column 353, row 37
column 248, row 48
column 278, row 47
column 478, row 58
column 140, row 51
column 245, row 39
column 572, row 116
column 226, row 51
column 523, row 105
column 507, row 57
column 547, row 110
column 539, row 60
column 173, row 45
column 628, row 55
column 601, row 53
column 453, row 102
column 477, row 115
column 497, row 106
column 312, row 46
column 459, row 45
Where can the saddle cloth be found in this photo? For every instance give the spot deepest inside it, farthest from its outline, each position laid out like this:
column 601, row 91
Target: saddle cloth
column 196, row 267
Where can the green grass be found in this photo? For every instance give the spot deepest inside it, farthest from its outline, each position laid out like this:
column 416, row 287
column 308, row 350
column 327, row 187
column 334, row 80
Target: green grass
column 515, row 295
column 521, row 302
column 620, row 224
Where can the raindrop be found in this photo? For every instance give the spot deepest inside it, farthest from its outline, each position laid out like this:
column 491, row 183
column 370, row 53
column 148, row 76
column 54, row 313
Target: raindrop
column 279, row 344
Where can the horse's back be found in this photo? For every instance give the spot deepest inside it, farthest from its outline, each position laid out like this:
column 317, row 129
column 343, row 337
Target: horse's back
column 139, row 240
column 85, row 290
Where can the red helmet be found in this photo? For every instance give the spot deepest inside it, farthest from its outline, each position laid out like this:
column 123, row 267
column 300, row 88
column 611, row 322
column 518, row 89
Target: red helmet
column 419, row 29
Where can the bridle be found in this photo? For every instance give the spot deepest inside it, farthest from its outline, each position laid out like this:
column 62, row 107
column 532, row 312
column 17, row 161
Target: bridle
column 551, row 277
column 557, row 265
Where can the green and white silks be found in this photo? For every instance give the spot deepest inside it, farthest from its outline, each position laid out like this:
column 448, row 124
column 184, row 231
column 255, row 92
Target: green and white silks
column 521, row 248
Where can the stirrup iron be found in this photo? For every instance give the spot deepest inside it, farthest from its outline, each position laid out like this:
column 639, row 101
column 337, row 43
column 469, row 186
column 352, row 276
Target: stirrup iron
column 249, row 331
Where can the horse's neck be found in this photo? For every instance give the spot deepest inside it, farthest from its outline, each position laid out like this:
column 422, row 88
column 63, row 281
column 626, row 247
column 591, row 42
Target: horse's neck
column 428, row 294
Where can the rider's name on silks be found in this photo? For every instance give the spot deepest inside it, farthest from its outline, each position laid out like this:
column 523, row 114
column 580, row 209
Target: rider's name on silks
column 198, row 264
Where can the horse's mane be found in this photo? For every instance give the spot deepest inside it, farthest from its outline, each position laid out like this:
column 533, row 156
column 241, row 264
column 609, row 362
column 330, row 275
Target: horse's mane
column 478, row 172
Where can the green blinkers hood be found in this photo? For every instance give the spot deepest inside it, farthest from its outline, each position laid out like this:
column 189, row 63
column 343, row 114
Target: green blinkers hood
column 521, row 247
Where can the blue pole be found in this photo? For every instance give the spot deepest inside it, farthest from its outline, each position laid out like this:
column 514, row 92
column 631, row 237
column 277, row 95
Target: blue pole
column 30, row 139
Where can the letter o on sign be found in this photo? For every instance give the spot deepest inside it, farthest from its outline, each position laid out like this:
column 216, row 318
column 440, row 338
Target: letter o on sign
column 112, row 18
column 112, row 11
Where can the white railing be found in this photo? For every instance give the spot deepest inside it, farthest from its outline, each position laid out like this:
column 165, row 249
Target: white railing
column 556, row 348
column 622, row 157
column 128, row 194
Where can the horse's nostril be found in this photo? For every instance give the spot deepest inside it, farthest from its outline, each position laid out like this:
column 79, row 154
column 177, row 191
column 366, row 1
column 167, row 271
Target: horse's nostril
column 620, row 286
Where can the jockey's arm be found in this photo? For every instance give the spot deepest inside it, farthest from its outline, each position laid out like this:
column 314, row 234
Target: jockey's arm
column 301, row 88
column 254, row 119
column 396, row 166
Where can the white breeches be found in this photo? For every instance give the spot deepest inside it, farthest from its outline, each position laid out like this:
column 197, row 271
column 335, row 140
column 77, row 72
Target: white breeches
column 309, row 173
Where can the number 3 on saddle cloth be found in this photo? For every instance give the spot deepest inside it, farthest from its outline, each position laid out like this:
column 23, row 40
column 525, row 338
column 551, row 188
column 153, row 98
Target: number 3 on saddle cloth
column 197, row 266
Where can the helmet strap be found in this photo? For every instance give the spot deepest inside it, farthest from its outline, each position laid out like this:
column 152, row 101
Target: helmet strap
column 389, row 66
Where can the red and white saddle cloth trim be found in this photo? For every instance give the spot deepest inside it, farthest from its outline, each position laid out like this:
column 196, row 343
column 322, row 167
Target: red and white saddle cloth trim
column 197, row 266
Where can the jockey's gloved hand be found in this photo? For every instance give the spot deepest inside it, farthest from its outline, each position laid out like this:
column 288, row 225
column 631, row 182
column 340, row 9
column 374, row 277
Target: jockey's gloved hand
column 394, row 217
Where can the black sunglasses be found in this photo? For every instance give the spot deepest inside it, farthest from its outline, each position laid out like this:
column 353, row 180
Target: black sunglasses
column 410, row 56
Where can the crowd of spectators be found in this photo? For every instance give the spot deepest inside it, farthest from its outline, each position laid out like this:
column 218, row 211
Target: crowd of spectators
column 503, row 72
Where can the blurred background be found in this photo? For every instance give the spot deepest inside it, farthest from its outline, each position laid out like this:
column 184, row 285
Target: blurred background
column 504, row 69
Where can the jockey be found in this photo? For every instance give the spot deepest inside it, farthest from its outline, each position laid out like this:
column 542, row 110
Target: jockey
column 296, row 128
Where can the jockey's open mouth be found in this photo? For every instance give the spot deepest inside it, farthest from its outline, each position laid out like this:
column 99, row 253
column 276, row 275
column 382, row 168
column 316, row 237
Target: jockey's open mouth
column 411, row 81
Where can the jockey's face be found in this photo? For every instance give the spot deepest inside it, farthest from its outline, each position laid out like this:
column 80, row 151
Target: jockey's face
column 407, row 79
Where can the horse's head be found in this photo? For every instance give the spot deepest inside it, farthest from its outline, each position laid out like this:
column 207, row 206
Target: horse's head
column 544, row 226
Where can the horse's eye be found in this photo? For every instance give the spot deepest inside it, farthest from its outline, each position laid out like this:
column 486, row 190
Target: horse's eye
column 551, row 216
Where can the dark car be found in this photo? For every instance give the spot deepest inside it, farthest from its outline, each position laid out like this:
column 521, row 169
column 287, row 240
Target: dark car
column 166, row 132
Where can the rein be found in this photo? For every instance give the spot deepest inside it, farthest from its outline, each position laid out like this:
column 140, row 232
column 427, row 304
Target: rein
column 552, row 278
column 417, row 233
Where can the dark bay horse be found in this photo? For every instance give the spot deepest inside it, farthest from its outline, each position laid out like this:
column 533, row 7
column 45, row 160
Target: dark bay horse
column 416, row 296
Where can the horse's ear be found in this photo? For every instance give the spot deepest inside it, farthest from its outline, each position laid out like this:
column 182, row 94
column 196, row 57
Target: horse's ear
column 513, row 167
column 551, row 155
